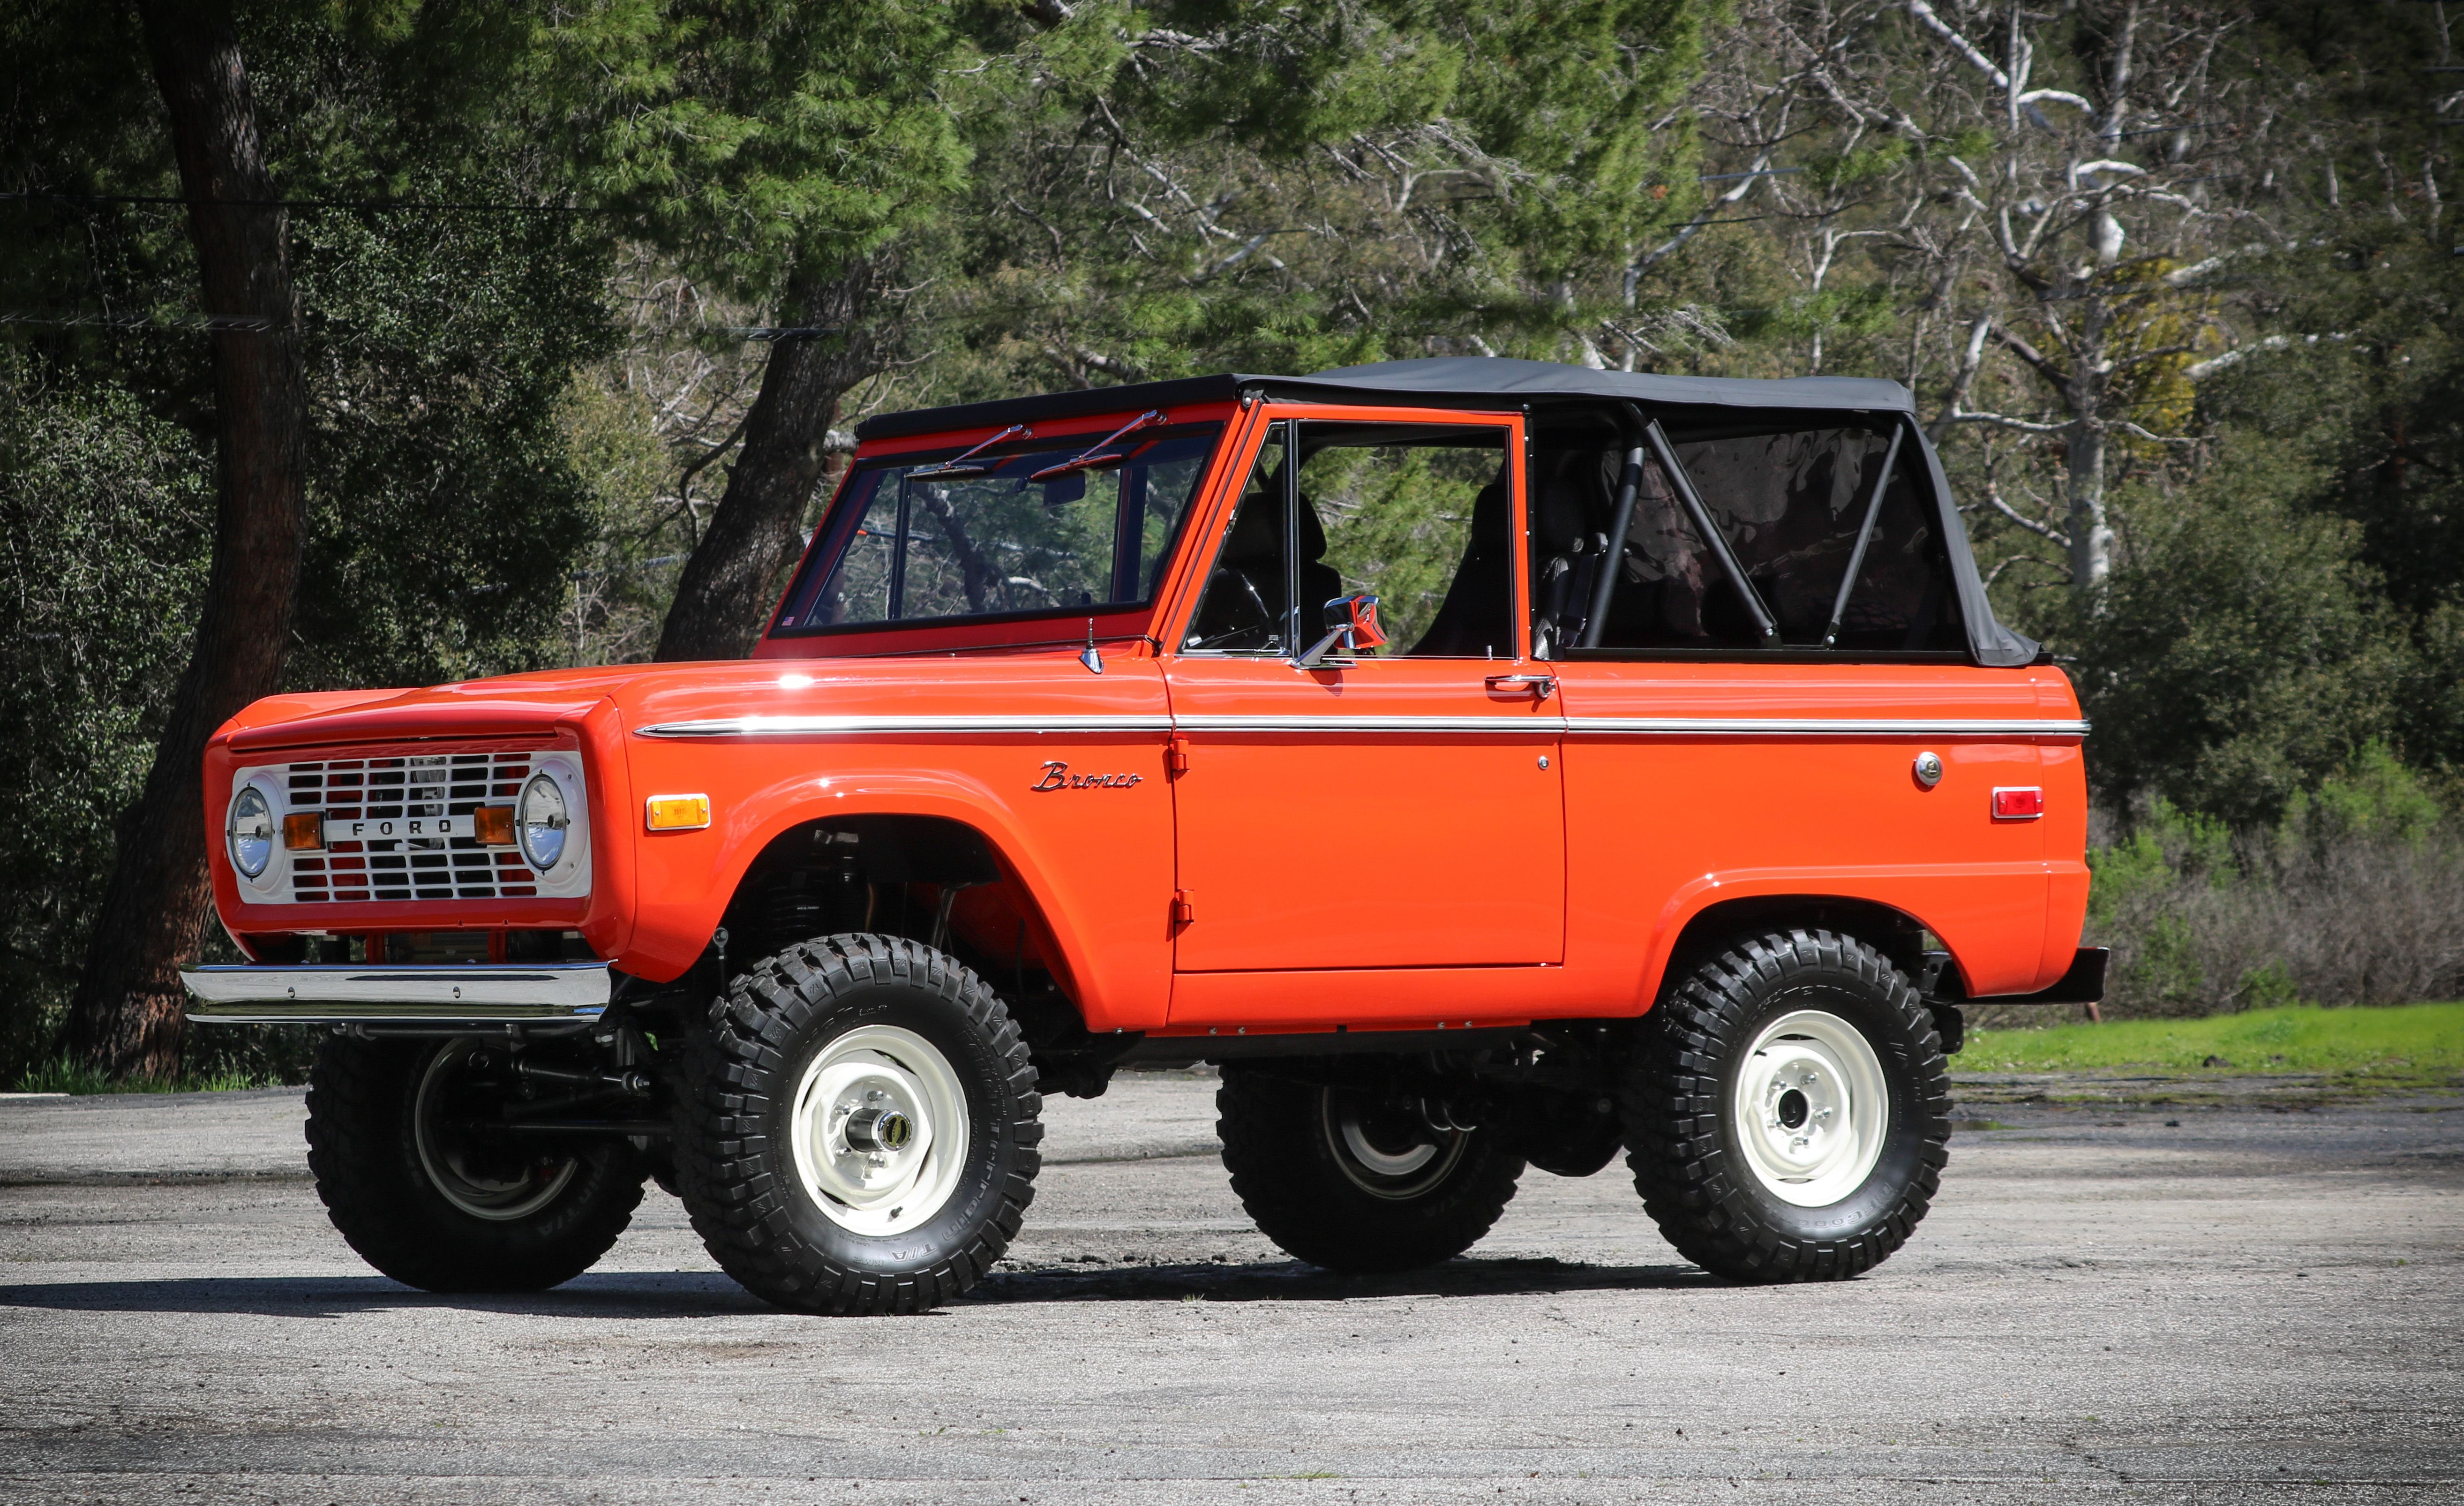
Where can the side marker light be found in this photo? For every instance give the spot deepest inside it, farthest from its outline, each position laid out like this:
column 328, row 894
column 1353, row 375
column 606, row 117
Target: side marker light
column 2024, row 803
column 676, row 812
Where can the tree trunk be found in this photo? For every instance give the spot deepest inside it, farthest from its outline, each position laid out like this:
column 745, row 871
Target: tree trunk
column 2089, row 394
column 2091, row 534
column 129, row 1014
column 729, row 587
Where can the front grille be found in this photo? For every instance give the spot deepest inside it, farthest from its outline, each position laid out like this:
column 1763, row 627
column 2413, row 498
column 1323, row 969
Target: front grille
column 412, row 868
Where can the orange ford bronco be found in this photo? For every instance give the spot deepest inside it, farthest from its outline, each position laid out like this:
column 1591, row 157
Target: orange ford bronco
column 1486, row 763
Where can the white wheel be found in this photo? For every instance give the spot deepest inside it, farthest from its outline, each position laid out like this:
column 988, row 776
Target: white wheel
column 880, row 1130
column 492, row 1180
column 1812, row 1109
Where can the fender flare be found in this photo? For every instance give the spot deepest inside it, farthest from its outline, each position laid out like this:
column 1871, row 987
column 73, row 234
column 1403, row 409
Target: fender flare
column 1879, row 888
column 754, row 822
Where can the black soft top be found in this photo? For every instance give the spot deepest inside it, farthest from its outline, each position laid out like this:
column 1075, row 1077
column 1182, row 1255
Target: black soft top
column 1474, row 382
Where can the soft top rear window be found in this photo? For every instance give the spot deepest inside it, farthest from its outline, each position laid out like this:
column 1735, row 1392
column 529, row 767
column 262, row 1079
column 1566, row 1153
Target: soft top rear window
column 1023, row 528
column 1796, row 504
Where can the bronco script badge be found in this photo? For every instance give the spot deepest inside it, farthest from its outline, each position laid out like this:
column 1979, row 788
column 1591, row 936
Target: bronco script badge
column 1057, row 776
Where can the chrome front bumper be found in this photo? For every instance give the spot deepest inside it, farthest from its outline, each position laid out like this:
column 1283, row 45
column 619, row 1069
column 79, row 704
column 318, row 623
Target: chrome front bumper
column 547, row 994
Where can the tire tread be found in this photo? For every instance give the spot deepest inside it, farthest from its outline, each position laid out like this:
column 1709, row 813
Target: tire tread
column 728, row 1185
column 1671, row 1103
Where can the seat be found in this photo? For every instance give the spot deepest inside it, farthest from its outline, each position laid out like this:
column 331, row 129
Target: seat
column 1477, row 618
column 1320, row 581
column 1570, row 513
column 1243, row 607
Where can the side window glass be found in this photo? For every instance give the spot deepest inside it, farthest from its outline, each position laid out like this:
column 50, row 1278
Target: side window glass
column 1418, row 515
column 1247, row 601
column 858, row 590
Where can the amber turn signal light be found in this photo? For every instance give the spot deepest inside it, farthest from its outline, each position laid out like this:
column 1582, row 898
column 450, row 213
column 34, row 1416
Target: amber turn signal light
column 677, row 812
column 303, row 830
column 492, row 825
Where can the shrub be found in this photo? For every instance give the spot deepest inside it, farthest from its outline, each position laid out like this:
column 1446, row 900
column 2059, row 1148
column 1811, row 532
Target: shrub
column 2355, row 897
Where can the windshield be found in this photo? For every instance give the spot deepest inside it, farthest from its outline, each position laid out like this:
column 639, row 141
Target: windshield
column 1018, row 529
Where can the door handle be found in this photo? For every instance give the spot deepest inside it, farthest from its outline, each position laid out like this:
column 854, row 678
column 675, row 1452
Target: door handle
column 1541, row 686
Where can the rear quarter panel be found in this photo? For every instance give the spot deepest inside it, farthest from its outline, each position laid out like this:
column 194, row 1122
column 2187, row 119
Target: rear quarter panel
column 1688, row 784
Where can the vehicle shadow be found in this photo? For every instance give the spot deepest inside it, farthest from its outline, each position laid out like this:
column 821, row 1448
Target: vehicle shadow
column 693, row 1293
column 1292, row 1281
column 659, row 1294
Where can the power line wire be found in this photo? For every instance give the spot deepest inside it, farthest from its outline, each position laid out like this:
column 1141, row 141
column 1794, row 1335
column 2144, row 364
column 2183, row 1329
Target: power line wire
column 374, row 205
column 187, row 323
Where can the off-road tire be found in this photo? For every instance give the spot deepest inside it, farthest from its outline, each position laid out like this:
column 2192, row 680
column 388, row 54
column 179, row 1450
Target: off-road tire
column 1678, row 1105
column 362, row 1096
column 734, row 1165
column 1285, row 1171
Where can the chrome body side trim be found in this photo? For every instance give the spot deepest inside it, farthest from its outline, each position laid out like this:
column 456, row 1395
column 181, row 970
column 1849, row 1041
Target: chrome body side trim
column 1336, row 724
column 1644, row 727
column 316, row 994
column 760, row 726
column 1829, row 727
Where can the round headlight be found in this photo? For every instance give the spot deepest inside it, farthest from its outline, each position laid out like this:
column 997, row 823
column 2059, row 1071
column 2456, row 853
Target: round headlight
column 251, row 832
column 539, row 821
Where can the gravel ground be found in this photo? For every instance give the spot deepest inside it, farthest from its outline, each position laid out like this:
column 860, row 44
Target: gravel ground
column 2241, row 1305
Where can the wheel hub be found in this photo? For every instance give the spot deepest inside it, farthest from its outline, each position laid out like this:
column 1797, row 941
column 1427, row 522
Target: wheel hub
column 880, row 1130
column 481, row 1175
column 1810, row 1108
column 1394, row 1150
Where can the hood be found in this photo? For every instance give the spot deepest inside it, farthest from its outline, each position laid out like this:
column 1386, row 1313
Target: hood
column 651, row 695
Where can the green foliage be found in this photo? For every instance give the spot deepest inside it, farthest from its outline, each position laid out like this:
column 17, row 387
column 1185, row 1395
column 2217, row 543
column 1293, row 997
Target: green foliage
column 2243, row 652
column 2399, row 1045
column 625, row 578
column 2350, row 897
column 1397, row 523
column 447, row 510
column 2374, row 795
column 1196, row 185
column 224, row 1061
column 2165, row 845
column 754, row 139
column 104, row 511
column 2165, row 976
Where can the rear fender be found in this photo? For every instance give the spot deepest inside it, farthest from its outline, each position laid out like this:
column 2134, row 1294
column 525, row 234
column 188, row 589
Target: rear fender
column 1990, row 928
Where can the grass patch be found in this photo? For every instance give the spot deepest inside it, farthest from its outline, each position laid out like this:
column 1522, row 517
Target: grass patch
column 66, row 1074
column 2407, row 1041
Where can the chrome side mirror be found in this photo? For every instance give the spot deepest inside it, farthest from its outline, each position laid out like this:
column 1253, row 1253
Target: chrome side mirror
column 1351, row 622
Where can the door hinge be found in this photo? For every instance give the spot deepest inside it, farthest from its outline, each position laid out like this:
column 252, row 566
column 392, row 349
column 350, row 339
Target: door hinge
column 1183, row 909
column 1176, row 757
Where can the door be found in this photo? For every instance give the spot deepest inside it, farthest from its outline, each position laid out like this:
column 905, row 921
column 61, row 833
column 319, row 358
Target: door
column 1402, row 809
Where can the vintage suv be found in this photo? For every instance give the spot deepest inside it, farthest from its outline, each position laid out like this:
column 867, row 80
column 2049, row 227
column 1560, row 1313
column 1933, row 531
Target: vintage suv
column 1485, row 763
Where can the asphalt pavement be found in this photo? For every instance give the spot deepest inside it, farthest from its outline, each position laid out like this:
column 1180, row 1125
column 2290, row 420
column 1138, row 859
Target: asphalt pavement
column 2242, row 1304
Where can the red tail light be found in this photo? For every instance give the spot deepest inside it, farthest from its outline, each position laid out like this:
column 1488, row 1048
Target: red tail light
column 2021, row 804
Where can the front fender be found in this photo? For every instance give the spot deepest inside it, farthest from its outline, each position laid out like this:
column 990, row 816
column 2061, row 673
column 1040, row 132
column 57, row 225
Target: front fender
column 1091, row 881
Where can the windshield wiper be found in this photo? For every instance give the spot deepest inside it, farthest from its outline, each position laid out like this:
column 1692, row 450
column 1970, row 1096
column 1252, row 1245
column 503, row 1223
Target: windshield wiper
column 956, row 464
column 1094, row 455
